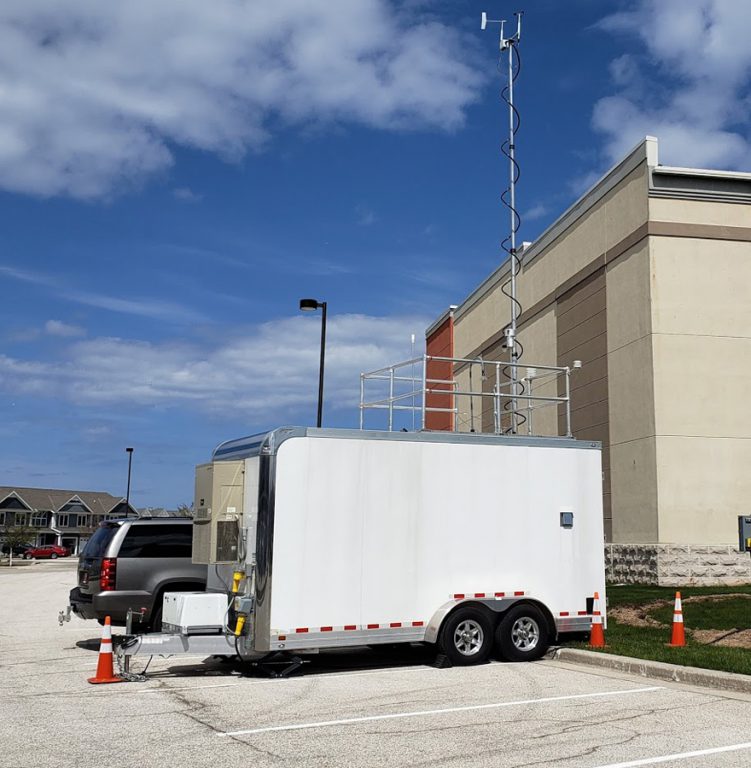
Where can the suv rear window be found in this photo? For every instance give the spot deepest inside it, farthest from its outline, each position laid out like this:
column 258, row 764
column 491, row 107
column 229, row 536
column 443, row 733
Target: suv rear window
column 97, row 544
column 158, row 541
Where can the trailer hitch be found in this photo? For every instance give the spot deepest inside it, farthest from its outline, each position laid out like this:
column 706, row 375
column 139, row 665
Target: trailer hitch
column 139, row 616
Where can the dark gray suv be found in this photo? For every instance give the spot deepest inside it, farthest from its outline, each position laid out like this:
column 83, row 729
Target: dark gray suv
column 131, row 563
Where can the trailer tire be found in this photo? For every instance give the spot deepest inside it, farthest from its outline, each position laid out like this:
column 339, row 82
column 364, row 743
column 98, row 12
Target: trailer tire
column 523, row 633
column 467, row 636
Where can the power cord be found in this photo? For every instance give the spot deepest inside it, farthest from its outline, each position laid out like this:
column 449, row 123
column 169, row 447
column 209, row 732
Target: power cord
column 515, row 261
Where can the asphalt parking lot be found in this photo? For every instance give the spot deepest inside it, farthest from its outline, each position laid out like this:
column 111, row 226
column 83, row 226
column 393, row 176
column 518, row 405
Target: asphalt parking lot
column 346, row 709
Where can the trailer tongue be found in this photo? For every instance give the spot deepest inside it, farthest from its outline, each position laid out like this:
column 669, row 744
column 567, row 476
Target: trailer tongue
column 324, row 538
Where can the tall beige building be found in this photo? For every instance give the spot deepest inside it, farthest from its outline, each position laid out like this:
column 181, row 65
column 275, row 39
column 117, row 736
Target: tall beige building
column 647, row 280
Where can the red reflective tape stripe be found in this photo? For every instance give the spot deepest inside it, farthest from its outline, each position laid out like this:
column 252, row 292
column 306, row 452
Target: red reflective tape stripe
column 459, row 596
column 395, row 624
column 582, row 613
column 373, row 626
column 418, row 623
column 479, row 594
column 327, row 629
column 516, row 594
column 500, row 594
column 564, row 613
column 301, row 630
column 350, row 626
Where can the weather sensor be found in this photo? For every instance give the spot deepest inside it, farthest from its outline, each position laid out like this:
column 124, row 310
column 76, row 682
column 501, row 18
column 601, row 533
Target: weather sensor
column 505, row 42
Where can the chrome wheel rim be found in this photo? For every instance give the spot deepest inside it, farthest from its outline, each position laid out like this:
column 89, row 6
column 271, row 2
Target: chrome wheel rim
column 525, row 634
column 468, row 637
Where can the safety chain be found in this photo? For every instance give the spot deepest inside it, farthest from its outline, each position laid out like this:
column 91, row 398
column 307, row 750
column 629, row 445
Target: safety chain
column 126, row 674
column 132, row 677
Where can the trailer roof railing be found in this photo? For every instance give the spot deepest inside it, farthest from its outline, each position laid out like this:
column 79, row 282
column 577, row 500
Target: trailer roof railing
column 467, row 392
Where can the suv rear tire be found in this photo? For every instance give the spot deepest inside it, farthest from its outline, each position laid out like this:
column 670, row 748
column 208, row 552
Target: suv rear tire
column 155, row 623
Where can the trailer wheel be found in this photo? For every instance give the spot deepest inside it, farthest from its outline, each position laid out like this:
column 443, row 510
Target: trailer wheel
column 466, row 637
column 523, row 633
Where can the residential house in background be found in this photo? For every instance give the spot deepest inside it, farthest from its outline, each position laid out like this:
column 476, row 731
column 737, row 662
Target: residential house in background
column 55, row 516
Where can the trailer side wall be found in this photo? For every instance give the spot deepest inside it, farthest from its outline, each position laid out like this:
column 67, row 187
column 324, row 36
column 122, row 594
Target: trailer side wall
column 376, row 532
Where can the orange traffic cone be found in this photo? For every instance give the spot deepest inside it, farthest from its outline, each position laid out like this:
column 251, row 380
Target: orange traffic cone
column 104, row 671
column 678, row 634
column 596, row 635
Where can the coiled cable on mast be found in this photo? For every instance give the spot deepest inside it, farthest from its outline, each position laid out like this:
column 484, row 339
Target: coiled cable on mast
column 506, row 244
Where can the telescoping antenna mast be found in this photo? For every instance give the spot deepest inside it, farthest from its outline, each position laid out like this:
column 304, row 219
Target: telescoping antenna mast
column 509, row 46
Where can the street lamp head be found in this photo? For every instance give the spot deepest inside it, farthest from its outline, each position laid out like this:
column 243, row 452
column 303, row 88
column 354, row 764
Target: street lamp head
column 311, row 305
column 129, row 450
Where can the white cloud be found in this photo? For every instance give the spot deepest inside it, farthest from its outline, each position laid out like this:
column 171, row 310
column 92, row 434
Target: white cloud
column 269, row 371
column 21, row 335
column 690, row 88
column 158, row 309
column 65, row 330
column 94, row 94
column 366, row 216
column 538, row 211
column 186, row 195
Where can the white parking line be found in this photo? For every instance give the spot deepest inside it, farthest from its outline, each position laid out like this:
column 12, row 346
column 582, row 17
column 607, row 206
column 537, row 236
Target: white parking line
column 678, row 756
column 423, row 713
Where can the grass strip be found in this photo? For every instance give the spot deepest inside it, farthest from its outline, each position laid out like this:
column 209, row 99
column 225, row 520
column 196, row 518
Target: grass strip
column 726, row 613
column 651, row 642
column 639, row 594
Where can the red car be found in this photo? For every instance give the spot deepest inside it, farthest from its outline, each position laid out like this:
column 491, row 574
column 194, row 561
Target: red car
column 52, row 551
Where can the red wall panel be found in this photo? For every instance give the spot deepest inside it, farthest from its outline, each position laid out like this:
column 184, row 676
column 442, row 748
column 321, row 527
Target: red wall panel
column 441, row 344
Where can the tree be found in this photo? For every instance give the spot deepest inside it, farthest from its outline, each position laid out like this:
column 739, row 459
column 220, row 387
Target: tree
column 185, row 510
column 15, row 535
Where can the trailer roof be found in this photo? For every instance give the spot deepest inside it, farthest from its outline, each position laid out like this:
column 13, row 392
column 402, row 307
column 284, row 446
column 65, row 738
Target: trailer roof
column 269, row 442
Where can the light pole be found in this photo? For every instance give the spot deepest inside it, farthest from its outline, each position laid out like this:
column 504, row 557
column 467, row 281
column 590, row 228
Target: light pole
column 311, row 305
column 129, row 451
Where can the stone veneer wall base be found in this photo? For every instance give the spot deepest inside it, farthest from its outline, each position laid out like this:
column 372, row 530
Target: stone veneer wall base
column 672, row 565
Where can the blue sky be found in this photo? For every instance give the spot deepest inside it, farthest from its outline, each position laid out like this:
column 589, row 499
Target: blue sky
column 174, row 177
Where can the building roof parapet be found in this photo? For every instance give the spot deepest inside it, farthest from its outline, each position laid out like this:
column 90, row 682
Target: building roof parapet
column 700, row 184
column 645, row 152
column 436, row 324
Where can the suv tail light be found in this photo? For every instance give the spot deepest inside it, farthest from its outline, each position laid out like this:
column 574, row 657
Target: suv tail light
column 107, row 574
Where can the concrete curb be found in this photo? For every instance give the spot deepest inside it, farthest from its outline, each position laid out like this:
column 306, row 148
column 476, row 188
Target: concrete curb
column 710, row 678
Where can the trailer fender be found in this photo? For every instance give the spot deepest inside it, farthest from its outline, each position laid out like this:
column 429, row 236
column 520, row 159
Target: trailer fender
column 497, row 605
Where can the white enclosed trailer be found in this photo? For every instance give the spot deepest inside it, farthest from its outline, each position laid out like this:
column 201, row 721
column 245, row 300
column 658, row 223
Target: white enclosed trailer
column 344, row 538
